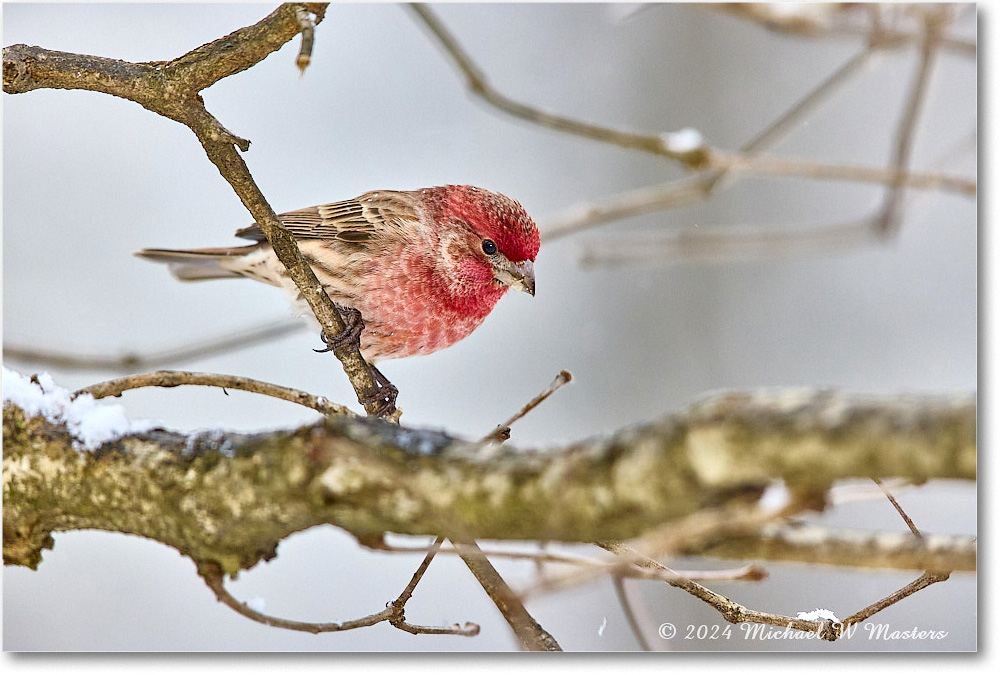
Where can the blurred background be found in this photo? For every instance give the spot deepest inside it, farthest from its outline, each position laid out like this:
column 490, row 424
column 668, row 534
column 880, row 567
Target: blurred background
column 89, row 179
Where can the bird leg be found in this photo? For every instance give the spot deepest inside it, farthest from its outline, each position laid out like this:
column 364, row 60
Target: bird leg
column 385, row 392
column 351, row 335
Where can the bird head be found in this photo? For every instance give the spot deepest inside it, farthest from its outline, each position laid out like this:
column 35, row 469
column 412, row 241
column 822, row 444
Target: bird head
column 495, row 241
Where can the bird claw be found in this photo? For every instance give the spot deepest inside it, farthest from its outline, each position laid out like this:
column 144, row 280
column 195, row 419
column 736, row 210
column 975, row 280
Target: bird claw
column 385, row 392
column 350, row 336
column 384, row 396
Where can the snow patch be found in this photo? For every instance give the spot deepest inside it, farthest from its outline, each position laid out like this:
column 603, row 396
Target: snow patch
column 776, row 497
column 257, row 604
column 818, row 615
column 91, row 424
column 683, row 141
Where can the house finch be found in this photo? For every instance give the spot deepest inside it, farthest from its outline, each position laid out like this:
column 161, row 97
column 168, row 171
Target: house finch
column 423, row 268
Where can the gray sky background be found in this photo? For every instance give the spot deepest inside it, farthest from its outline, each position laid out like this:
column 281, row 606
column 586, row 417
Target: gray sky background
column 89, row 179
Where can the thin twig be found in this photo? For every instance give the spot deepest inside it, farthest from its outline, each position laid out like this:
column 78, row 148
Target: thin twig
column 810, row 27
column 737, row 613
column 891, row 213
column 923, row 581
column 627, row 609
column 697, row 529
column 399, row 620
column 696, row 188
column 744, row 573
column 502, row 432
column 734, row 242
column 899, row 509
column 811, row 544
column 432, row 550
column 809, row 103
column 305, row 48
column 175, row 378
column 702, row 157
column 233, row 340
column 530, row 634
column 730, row 611
column 849, row 493
column 481, row 87
column 779, row 166
column 840, row 236
column 214, row 578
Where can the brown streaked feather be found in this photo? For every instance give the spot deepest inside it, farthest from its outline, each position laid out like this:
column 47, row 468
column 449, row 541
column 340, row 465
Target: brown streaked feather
column 368, row 217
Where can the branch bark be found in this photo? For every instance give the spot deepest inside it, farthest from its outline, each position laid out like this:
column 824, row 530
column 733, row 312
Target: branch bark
column 230, row 498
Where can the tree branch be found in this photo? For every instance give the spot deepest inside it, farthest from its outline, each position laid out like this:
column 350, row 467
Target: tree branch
column 393, row 613
column 529, row 632
column 230, row 498
column 480, row 86
column 171, row 89
column 131, row 361
column 176, row 378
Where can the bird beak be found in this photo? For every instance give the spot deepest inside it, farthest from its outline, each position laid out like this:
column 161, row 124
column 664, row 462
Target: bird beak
column 520, row 276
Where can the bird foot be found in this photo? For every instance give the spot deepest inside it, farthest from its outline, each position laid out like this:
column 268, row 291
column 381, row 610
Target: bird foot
column 350, row 336
column 384, row 396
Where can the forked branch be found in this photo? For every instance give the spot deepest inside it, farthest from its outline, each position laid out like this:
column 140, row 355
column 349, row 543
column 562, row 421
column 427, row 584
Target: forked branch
column 172, row 89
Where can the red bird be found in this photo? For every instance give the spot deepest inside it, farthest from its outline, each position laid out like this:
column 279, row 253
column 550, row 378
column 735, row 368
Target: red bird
column 423, row 267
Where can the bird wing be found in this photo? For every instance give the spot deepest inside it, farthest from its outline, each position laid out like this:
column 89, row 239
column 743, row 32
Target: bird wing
column 369, row 217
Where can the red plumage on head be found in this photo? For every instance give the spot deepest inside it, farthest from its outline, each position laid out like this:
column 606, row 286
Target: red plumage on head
column 492, row 216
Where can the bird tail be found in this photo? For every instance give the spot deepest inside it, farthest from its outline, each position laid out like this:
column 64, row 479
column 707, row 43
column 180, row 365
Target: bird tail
column 198, row 264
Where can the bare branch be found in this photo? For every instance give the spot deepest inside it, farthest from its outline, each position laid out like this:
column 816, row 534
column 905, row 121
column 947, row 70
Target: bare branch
column 502, row 432
column 530, row 634
column 399, row 620
column 899, row 509
column 233, row 340
column 307, row 28
column 696, row 188
column 214, row 578
column 695, row 530
column 925, row 580
column 701, row 157
column 480, row 86
column 823, row 546
column 891, row 214
column 630, row 614
column 175, row 378
column 202, row 67
column 896, row 177
column 820, row 20
column 734, row 242
column 744, row 573
column 737, row 613
column 171, row 89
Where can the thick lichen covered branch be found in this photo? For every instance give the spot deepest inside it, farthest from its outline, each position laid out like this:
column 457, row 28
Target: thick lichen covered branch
column 230, row 498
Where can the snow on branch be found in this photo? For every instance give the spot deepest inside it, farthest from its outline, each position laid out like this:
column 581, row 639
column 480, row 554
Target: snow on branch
column 230, row 498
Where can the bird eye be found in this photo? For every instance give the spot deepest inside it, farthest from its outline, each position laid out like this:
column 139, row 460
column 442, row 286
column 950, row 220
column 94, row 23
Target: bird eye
column 489, row 247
